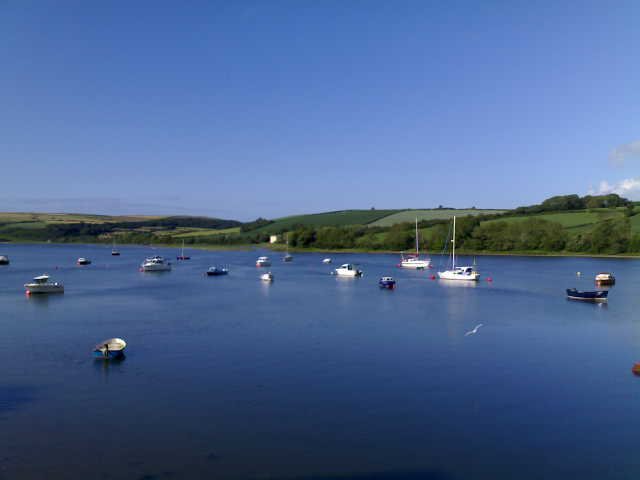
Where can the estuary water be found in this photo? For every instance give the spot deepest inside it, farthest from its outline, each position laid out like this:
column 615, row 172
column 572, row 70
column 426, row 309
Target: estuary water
column 315, row 376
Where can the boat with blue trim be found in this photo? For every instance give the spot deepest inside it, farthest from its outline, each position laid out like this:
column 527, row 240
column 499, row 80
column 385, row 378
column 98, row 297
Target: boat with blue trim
column 217, row 271
column 587, row 296
column 387, row 282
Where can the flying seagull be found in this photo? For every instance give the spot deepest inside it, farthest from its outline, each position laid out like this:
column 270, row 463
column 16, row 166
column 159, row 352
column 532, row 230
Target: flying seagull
column 474, row 331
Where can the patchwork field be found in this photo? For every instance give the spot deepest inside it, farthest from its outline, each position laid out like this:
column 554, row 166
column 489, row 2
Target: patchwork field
column 345, row 217
column 430, row 214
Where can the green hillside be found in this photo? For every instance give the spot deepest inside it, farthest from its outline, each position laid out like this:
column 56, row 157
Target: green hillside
column 334, row 219
column 430, row 214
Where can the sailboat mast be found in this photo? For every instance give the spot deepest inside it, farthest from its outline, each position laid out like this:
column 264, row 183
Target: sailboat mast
column 417, row 241
column 453, row 240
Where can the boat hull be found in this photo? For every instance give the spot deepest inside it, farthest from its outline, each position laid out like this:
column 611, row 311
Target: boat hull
column 156, row 268
column 111, row 355
column 415, row 264
column 348, row 273
column 591, row 296
column 467, row 277
column 216, row 273
column 388, row 285
column 40, row 289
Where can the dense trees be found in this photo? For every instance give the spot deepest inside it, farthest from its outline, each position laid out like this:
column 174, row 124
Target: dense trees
column 573, row 202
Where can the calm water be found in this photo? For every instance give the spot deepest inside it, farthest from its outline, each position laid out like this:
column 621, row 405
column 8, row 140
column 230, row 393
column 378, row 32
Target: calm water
column 315, row 376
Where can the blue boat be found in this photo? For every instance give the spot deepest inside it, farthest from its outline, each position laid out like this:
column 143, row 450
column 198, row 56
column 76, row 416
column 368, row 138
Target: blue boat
column 110, row 349
column 588, row 296
column 387, row 282
column 215, row 271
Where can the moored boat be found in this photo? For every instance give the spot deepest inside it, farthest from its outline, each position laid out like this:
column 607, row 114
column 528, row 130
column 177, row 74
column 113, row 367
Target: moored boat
column 468, row 273
column 267, row 277
column 155, row 264
column 263, row 262
column 287, row 256
column 387, row 282
column 327, row 260
column 41, row 284
column 217, row 271
column 182, row 256
column 4, row 260
column 110, row 349
column 414, row 261
column 588, row 296
column 114, row 251
column 605, row 278
column 347, row 270
column 83, row 261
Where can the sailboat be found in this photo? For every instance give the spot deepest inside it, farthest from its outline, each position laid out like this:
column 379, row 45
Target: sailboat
column 114, row 251
column 287, row 256
column 414, row 261
column 458, row 273
column 182, row 256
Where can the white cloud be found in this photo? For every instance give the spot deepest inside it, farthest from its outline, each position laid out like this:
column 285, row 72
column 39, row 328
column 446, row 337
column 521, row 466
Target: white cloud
column 629, row 188
column 621, row 153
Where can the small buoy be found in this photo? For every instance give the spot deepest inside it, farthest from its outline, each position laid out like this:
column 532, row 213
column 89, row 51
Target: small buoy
column 432, row 277
column 578, row 273
column 489, row 279
column 636, row 368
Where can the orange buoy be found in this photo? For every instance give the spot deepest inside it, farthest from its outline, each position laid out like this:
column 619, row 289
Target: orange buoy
column 636, row 368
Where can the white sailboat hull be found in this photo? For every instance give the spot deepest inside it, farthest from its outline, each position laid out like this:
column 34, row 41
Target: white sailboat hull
column 44, row 287
column 415, row 263
column 457, row 275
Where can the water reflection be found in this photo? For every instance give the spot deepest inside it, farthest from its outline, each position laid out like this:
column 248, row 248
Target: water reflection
column 458, row 283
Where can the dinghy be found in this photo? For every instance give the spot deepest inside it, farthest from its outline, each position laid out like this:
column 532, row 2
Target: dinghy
column 110, row 349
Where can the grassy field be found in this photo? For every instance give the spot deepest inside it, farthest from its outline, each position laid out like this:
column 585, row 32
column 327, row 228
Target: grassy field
column 46, row 218
column 431, row 214
column 335, row 219
column 579, row 220
column 202, row 232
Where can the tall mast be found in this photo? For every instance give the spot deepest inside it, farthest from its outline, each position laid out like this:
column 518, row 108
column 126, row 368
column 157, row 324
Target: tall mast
column 417, row 241
column 453, row 240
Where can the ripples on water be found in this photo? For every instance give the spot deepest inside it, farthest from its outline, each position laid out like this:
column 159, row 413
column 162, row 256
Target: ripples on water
column 315, row 377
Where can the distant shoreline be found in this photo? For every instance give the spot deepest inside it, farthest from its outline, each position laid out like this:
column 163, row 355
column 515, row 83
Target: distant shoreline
column 281, row 248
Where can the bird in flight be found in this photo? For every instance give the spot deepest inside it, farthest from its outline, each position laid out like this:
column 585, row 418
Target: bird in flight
column 474, row 331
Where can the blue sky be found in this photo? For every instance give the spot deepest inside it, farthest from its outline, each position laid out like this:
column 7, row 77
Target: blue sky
column 245, row 109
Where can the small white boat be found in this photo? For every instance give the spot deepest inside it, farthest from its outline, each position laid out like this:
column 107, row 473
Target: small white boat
column 155, row 264
column 347, row 270
column 114, row 251
column 414, row 261
column 267, row 277
column 468, row 273
column 605, row 278
column 263, row 262
column 4, row 260
column 83, row 261
column 42, row 284
column 326, row 260
column 287, row 256
column 110, row 348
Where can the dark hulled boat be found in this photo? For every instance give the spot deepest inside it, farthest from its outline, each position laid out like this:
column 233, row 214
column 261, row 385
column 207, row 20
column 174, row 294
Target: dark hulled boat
column 587, row 296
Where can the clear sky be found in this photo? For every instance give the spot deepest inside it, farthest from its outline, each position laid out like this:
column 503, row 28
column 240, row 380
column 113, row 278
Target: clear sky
column 265, row 108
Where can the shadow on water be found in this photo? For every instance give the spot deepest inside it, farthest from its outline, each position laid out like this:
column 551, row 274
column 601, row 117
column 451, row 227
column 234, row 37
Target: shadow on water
column 392, row 475
column 106, row 366
column 12, row 397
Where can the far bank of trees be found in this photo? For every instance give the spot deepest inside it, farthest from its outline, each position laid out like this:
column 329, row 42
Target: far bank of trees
column 532, row 231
